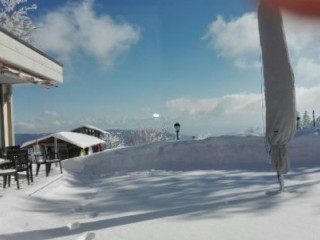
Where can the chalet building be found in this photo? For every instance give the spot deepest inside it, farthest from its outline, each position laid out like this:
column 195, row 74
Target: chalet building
column 91, row 130
column 67, row 144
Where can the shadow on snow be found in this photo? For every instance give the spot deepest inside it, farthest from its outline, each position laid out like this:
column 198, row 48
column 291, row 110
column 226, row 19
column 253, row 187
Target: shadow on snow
column 161, row 194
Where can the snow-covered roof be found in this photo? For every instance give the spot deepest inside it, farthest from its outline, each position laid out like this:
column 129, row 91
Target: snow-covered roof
column 77, row 139
column 90, row 127
column 21, row 63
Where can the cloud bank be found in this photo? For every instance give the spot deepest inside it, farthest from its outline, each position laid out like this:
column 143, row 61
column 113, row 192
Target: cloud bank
column 242, row 104
column 77, row 27
column 237, row 39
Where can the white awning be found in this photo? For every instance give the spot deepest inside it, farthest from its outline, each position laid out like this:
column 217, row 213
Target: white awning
column 21, row 63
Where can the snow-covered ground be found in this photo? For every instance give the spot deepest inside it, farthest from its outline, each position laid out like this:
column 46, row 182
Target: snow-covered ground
column 216, row 188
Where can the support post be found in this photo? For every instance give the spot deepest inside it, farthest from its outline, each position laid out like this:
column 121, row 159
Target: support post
column 6, row 116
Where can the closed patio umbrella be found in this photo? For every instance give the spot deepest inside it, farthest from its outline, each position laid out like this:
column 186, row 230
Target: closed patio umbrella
column 279, row 88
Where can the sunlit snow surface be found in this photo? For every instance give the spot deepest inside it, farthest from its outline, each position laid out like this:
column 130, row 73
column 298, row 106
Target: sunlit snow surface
column 217, row 188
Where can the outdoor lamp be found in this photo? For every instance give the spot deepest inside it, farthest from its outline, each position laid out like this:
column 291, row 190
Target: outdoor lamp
column 177, row 128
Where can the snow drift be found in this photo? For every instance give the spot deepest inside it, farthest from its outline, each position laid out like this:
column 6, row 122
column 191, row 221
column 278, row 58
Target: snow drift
column 210, row 153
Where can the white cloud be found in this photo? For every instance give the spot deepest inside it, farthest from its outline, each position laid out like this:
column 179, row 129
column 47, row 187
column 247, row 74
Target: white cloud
column 245, row 63
column 238, row 40
column 214, row 116
column 242, row 104
column 235, row 112
column 49, row 114
column 191, row 107
column 76, row 26
column 235, row 38
column 308, row 70
column 308, row 99
column 55, row 34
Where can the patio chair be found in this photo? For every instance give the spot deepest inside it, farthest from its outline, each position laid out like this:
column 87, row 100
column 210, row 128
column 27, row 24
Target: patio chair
column 41, row 156
column 6, row 171
column 20, row 161
column 52, row 157
column 9, row 148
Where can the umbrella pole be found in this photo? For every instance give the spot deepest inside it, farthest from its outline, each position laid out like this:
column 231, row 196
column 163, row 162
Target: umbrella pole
column 281, row 181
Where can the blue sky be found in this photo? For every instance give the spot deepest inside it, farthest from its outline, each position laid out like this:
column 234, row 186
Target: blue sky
column 195, row 62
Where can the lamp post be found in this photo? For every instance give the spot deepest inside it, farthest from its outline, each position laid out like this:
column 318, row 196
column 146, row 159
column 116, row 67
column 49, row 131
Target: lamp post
column 177, row 128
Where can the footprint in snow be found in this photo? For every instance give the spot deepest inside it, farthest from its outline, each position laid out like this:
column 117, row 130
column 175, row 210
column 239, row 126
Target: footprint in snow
column 92, row 214
column 78, row 209
column 90, row 195
column 87, row 236
column 74, row 225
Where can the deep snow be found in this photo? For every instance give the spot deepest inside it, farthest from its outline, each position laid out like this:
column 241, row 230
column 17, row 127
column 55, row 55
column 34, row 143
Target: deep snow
column 216, row 188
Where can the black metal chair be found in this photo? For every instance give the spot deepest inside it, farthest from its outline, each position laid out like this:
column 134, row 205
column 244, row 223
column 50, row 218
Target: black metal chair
column 7, row 171
column 41, row 156
column 20, row 161
column 9, row 148
column 52, row 157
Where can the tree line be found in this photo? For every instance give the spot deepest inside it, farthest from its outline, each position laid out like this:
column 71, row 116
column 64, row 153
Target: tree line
column 307, row 121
